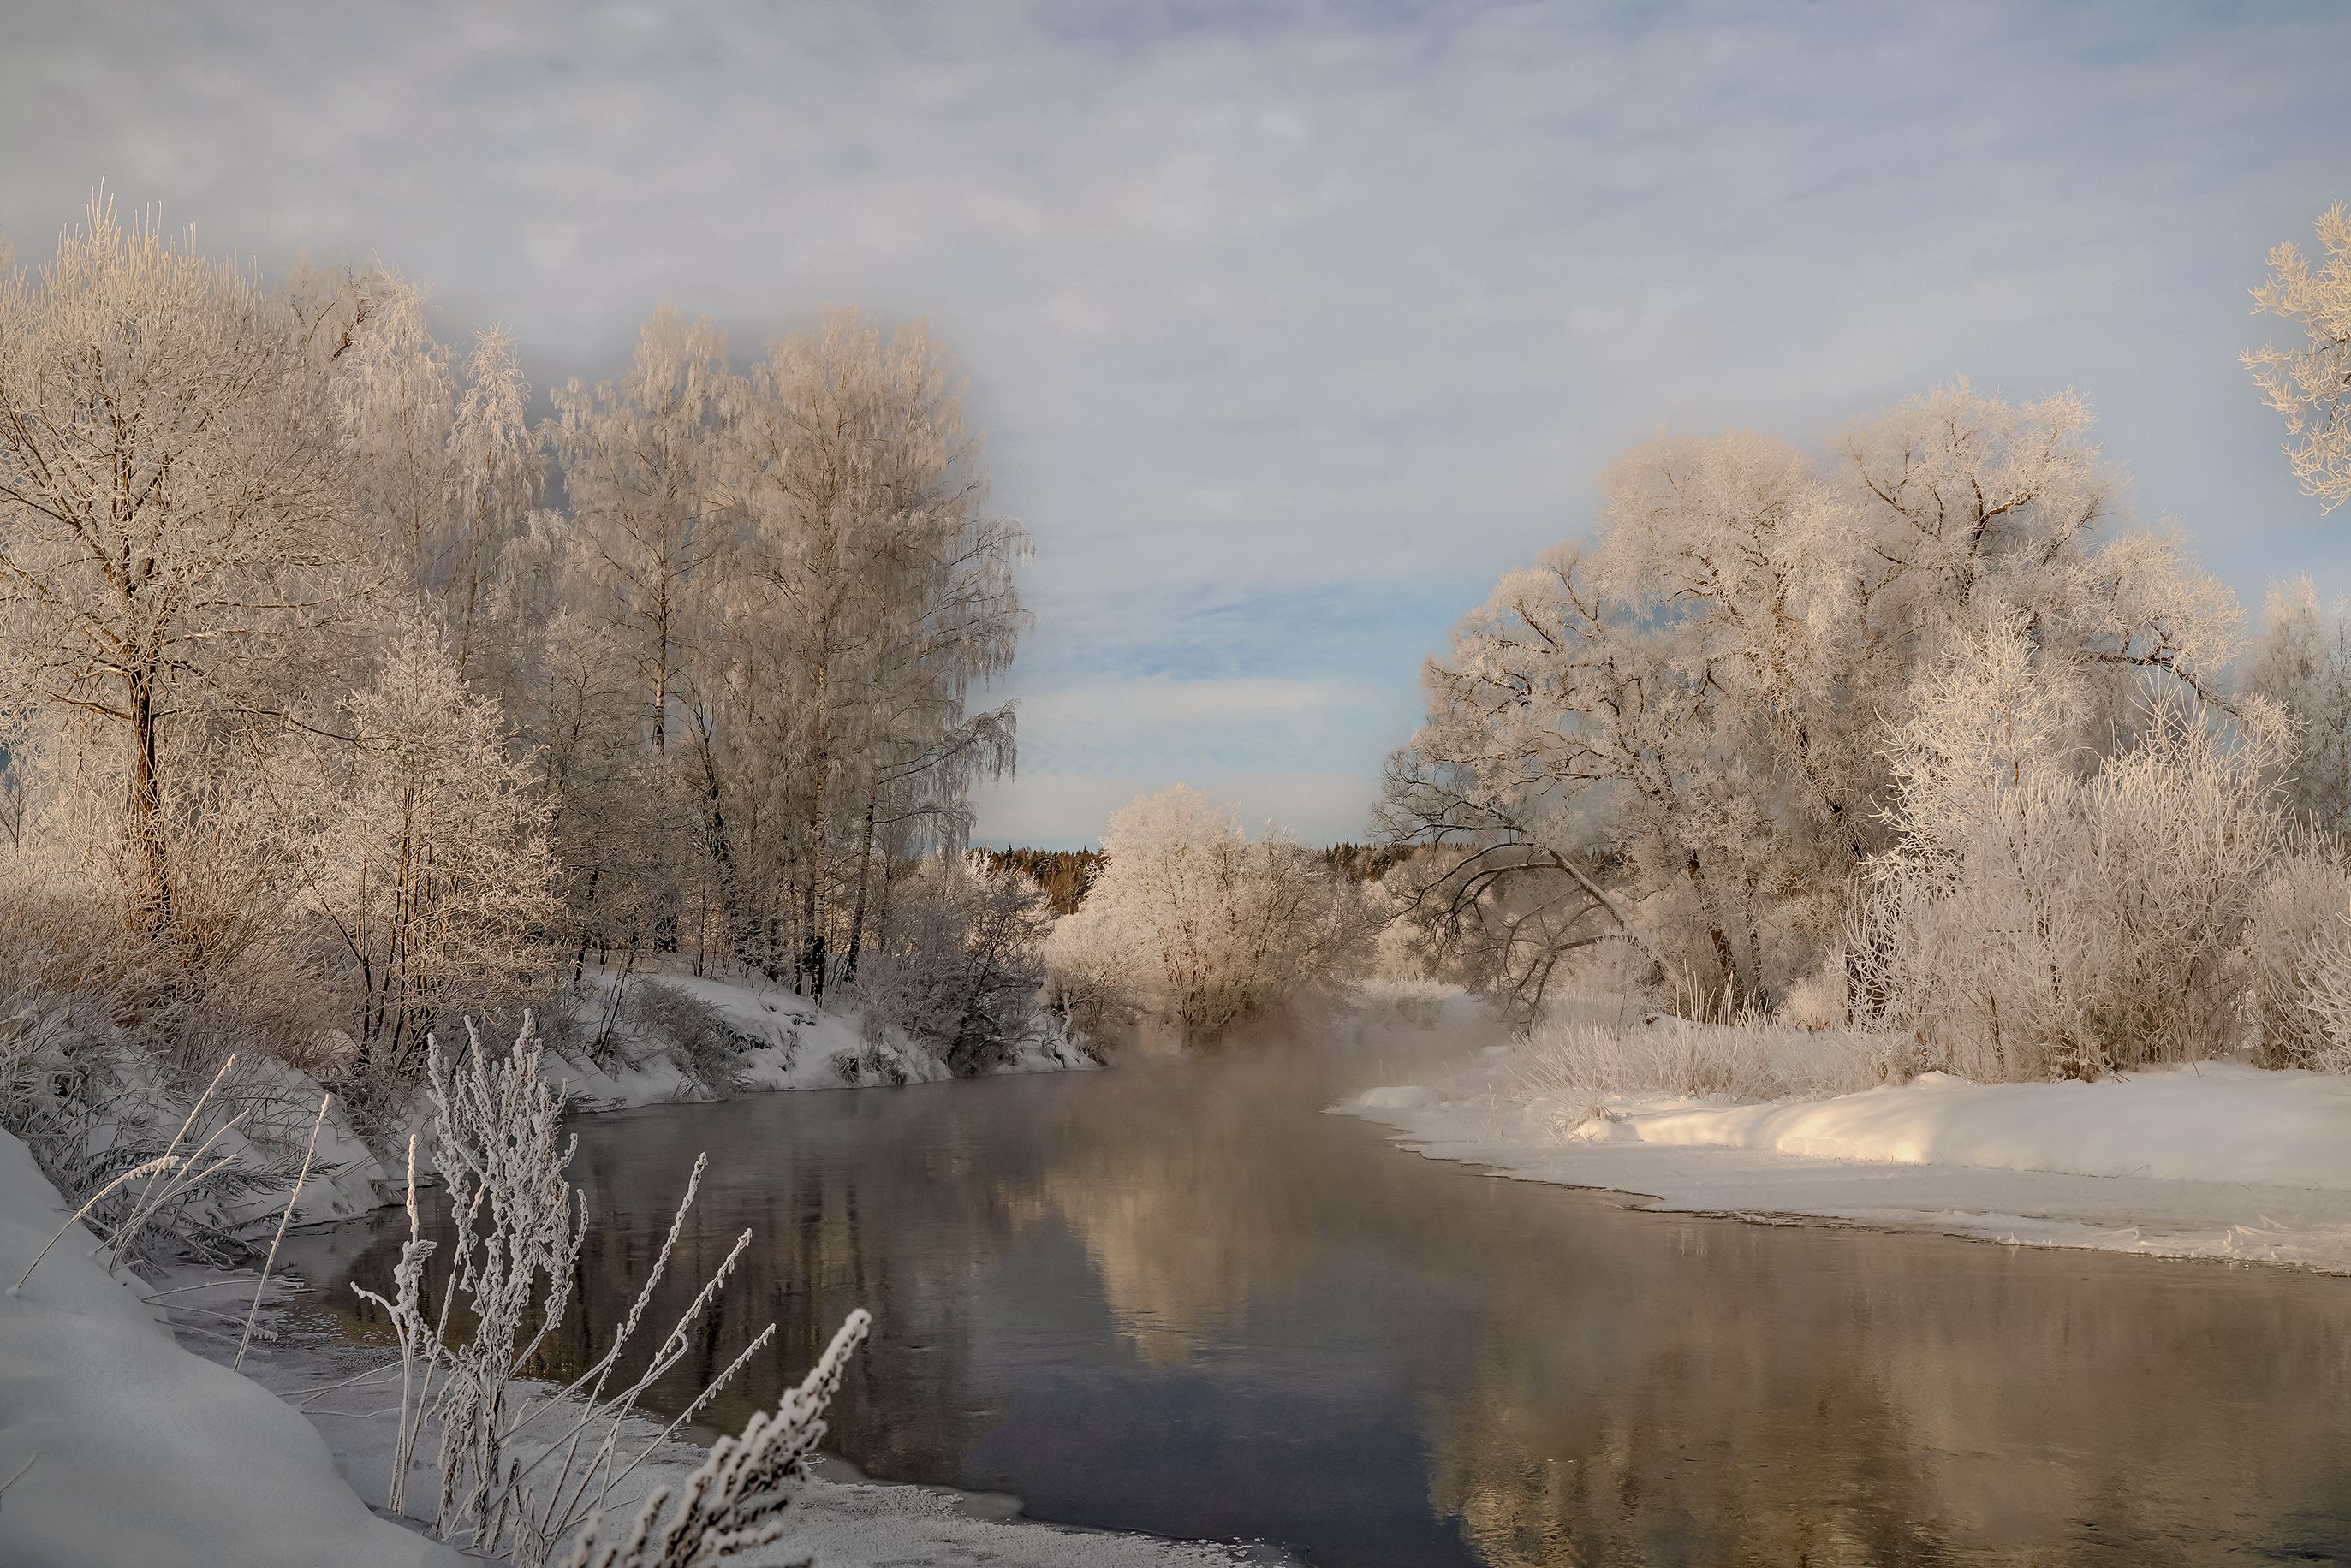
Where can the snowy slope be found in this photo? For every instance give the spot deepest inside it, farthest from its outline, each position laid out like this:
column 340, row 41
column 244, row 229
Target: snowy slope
column 840, row 1522
column 141, row 1453
column 2219, row 1161
column 799, row 1048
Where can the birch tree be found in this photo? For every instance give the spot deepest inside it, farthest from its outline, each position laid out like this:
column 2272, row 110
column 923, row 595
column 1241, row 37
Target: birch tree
column 396, row 402
column 171, row 502
column 640, row 457
column 493, row 457
column 883, row 595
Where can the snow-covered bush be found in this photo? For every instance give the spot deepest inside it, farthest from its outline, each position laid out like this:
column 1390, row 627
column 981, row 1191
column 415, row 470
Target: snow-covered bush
column 1093, row 977
column 959, row 962
column 498, row 1142
column 1586, row 1064
column 624, row 1022
column 2325, row 995
column 516, row 1228
column 710, row 1051
column 1193, row 921
column 2042, row 920
column 2302, row 916
column 107, row 1040
column 735, row 1501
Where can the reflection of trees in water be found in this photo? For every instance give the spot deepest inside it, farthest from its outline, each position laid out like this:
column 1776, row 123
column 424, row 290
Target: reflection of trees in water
column 1602, row 1386
column 1594, row 1384
column 1769, row 1396
column 1188, row 1218
column 843, row 1208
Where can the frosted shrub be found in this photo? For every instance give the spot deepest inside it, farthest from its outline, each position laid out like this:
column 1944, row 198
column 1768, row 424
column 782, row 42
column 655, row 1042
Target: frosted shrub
column 92, row 1095
column 1197, row 922
column 507, row 1485
column 959, row 963
column 520, row 1224
column 710, row 1053
column 2326, row 995
column 733, row 1503
column 1587, row 1065
column 2301, row 916
column 2035, row 923
column 1093, row 976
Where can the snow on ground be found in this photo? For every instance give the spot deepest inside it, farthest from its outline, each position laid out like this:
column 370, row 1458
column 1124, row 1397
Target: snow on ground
column 840, row 1522
column 2216, row 1162
column 140, row 1452
column 795, row 1047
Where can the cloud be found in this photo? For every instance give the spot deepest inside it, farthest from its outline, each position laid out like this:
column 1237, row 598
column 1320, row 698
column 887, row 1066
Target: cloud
column 1292, row 327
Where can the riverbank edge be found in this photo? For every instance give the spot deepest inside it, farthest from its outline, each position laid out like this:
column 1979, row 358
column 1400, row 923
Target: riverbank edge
column 132, row 1436
column 1470, row 1121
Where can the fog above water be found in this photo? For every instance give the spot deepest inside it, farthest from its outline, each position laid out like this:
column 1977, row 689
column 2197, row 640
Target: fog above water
column 1175, row 1297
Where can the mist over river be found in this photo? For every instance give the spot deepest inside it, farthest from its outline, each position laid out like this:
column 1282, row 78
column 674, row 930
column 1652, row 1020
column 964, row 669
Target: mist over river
column 1176, row 1297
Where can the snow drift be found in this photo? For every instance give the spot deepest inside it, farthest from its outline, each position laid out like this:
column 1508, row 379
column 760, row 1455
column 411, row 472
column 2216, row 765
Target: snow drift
column 2219, row 1160
column 140, row 1452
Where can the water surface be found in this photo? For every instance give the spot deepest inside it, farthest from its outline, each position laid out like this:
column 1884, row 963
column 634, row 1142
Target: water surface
column 1178, row 1298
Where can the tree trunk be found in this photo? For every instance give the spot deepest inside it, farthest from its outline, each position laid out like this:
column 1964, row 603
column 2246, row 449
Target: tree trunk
column 812, row 960
column 739, row 931
column 151, row 890
column 864, row 864
column 579, row 959
column 473, row 589
column 1716, row 938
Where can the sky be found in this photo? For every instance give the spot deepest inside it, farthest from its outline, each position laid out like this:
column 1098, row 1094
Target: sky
column 1292, row 328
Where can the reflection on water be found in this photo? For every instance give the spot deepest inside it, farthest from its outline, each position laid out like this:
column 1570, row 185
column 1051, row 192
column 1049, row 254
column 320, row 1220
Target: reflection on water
column 1177, row 1298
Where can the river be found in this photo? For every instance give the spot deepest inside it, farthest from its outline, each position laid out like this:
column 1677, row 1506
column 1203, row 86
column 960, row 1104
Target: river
column 1175, row 1297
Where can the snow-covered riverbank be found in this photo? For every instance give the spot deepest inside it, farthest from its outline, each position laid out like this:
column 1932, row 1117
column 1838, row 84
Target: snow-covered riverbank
column 786, row 1044
column 839, row 1521
column 2220, row 1161
column 138, row 1451
column 133, row 1447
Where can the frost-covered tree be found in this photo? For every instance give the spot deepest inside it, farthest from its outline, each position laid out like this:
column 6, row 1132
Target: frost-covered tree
column 171, row 504
column 395, row 404
column 641, row 460
column 875, row 596
column 494, row 455
column 958, row 965
column 420, row 842
column 2310, row 385
column 1201, row 925
column 2301, row 659
column 1672, row 733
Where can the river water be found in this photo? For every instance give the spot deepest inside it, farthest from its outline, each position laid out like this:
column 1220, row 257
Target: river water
column 1178, row 1298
